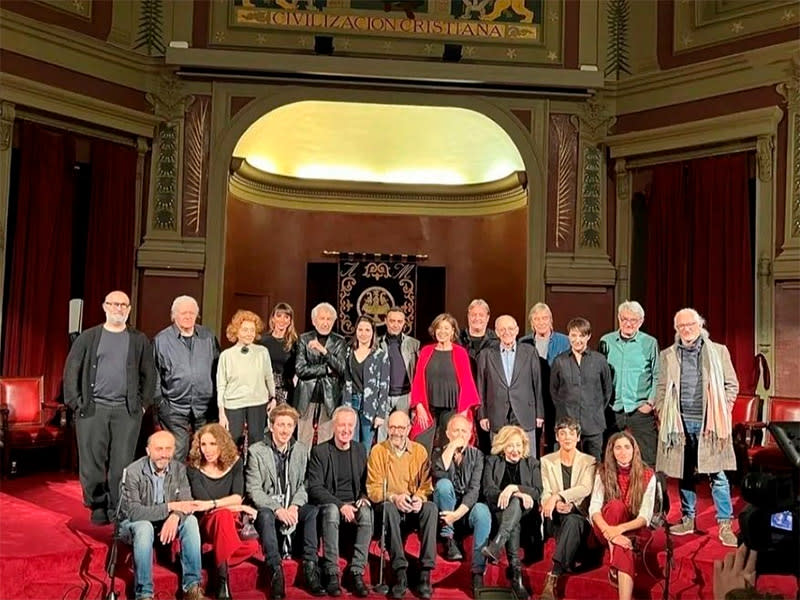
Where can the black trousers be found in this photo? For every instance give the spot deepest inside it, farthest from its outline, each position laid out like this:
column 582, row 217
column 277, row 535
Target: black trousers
column 398, row 525
column 643, row 428
column 303, row 540
column 593, row 445
column 571, row 532
column 256, row 419
column 182, row 424
column 108, row 437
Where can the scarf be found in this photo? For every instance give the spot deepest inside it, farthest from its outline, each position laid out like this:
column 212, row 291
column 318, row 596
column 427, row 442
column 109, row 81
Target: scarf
column 716, row 420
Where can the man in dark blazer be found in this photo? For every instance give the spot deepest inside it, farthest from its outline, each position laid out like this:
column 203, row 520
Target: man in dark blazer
column 510, row 384
column 320, row 366
column 337, row 474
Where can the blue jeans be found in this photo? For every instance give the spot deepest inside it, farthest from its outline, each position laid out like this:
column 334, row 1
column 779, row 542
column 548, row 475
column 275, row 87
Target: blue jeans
column 142, row 534
column 479, row 519
column 720, row 489
column 364, row 431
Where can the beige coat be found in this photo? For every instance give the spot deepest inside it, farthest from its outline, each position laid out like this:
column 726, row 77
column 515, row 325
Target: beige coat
column 583, row 470
column 710, row 457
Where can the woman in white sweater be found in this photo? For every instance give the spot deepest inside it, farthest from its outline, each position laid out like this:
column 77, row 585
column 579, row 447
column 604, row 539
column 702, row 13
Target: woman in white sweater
column 245, row 385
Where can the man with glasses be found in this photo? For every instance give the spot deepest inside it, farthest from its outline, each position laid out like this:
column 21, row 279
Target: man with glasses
column 696, row 390
column 633, row 358
column 399, row 485
column 108, row 382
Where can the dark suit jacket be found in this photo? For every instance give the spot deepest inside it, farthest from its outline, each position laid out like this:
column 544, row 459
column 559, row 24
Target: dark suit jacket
column 326, row 370
column 321, row 483
column 529, row 475
column 524, row 395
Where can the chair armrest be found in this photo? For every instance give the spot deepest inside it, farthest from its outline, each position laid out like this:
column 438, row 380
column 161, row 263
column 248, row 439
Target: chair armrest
column 745, row 433
column 60, row 409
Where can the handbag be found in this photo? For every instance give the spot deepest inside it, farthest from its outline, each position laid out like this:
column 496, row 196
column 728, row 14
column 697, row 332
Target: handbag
column 247, row 531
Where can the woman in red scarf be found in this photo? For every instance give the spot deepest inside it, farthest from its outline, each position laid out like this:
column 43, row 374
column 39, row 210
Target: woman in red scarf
column 443, row 382
column 622, row 506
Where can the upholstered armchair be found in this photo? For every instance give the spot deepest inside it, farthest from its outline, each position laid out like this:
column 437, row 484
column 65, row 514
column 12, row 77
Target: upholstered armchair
column 760, row 450
column 25, row 422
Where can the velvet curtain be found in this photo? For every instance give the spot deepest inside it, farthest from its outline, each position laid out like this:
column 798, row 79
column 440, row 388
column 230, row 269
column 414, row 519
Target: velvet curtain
column 112, row 213
column 35, row 338
column 700, row 254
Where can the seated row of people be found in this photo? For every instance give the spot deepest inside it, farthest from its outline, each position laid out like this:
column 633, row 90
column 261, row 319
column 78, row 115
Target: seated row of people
column 395, row 490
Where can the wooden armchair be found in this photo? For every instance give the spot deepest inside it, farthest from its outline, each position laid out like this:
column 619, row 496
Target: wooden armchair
column 23, row 419
column 761, row 451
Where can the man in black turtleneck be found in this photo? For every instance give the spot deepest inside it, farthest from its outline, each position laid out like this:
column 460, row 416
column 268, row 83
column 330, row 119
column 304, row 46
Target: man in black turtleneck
column 403, row 351
column 477, row 336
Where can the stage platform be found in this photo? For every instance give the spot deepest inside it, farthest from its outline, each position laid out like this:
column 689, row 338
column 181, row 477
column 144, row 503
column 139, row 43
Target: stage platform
column 49, row 550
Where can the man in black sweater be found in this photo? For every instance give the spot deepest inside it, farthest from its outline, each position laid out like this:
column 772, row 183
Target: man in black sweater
column 337, row 473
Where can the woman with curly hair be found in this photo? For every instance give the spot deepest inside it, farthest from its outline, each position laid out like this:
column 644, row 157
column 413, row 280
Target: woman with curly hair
column 245, row 384
column 280, row 340
column 621, row 507
column 217, row 481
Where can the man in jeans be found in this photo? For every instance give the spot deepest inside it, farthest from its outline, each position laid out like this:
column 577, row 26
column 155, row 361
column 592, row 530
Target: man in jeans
column 696, row 390
column 157, row 500
column 457, row 469
column 337, row 472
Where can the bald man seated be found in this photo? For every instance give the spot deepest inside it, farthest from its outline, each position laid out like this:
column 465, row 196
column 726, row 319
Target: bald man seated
column 157, row 504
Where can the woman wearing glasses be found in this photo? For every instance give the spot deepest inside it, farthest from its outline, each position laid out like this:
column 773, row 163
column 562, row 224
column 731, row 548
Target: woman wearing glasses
column 245, row 384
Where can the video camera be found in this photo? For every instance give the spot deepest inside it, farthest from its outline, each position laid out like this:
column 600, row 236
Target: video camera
column 771, row 524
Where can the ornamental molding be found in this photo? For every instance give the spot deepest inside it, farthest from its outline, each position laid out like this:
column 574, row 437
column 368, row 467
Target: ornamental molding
column 170, row 101
column 765, row 145
column 7, row 115
column 790, row 89
column 594, row 120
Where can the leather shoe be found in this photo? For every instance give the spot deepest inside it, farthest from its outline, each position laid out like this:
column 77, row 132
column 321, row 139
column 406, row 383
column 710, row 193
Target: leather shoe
column 400, row 586
column 424, row 589
column 451, row 551
column 359, row 587
column 277, row 587
column 100, row 516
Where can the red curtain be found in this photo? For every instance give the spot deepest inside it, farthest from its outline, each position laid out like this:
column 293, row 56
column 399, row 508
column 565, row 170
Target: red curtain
column 112, row 214
column 700, row 254
column 35, row 338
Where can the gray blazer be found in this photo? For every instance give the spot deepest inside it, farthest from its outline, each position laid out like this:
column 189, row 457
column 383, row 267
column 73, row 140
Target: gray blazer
column 409, row 348
column 261, row 478
column 138, row 503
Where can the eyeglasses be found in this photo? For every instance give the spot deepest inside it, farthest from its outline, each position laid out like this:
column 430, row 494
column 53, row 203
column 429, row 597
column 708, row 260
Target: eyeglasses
column 629, row 320
column 397, row 427
column 117, row 304
column 686, row 325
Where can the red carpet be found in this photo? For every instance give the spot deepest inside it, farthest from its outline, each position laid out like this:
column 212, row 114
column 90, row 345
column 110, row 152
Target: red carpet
column 49, row 550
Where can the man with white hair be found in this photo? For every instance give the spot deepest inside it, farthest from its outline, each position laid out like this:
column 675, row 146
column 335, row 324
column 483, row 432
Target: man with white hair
column 186, row 361
column 477, row 335
column 320, row 366
column 108, row 382
column 696, row 390
column 633, row 358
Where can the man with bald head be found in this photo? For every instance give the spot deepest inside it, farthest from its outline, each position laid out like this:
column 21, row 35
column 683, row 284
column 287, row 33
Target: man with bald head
column 510, row 383
column 108, row 382
column 157, row 501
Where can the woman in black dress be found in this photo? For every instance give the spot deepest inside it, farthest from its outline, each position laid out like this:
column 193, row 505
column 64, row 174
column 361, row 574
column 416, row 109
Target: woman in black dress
column 281, row 342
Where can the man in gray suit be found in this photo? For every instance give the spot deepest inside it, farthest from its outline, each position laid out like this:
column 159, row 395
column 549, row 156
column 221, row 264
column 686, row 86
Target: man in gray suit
column 510, row 384
column 403, row 351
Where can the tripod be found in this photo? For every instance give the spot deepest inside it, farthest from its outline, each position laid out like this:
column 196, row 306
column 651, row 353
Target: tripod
column 111, row 560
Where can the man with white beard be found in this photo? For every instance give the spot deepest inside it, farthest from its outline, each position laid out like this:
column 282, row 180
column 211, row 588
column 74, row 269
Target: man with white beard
column 108, row 382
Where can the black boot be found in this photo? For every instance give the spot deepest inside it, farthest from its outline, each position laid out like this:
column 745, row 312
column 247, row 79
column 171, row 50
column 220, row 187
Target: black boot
column 311, row 575
column 425, row 590
column 477, row 584
column 332, row 583
column 223, row 589
column 277, row 586
column 451, row 551
column 514, row 572
column 493, row 549
column 400, row 586
column 359, row 587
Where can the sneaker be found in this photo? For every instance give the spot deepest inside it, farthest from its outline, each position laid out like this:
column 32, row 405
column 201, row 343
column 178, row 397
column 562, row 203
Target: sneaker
column 685, row 527
column 195, row 592
column 451, row 551
column 332, row 583
column 726, row 535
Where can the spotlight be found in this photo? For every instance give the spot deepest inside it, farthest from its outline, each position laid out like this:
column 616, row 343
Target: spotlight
column 452, row 53
column 323, row 44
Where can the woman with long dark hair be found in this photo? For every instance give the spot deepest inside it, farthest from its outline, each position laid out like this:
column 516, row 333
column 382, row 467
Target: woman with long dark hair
column 280, row 340
column 621, row 507
column 366, row 381
column 217, row 481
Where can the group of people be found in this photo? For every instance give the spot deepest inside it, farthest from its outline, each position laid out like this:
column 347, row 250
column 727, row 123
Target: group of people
column 383, row 435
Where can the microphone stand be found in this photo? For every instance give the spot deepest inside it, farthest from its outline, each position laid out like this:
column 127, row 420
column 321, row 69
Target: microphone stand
column 668, row 560
column 381, row 587
column 111, row 560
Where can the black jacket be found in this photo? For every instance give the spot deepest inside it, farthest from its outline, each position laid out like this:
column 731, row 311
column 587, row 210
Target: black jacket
column 80, row 371
column 466, row 477
column 321, row 483
column 316, row 369
column 490, row 340
column 523, row 395
column 529, row 475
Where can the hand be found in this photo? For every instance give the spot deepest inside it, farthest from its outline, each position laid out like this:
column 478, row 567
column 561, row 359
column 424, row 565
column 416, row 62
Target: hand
column 377, row 422
column 484, row 423
column 645, row 408
column 282, row 514
column 317, row 347
column 348, row 512
column 249, row 510
column 457, row 445
column 527, row 501
column 223, row 421
column 202, row 505
column 416, row 504
column 422, row 417
column 736, row 571
column 612, row 531
column 564, row 507
column 448, row 517
column 170, row 529
column 549, row 506
column 539, row 423
column 622, row 541
column 186, row 507
column 403, row 503
column 505, row 497
column 294, row 516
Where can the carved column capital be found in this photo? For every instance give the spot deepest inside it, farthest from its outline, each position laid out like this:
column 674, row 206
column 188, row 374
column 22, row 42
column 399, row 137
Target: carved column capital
column 594, row 120
column 765, row 147
column 7, row 115
column 169, row 101
column 142, row 145
column 790, row 89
